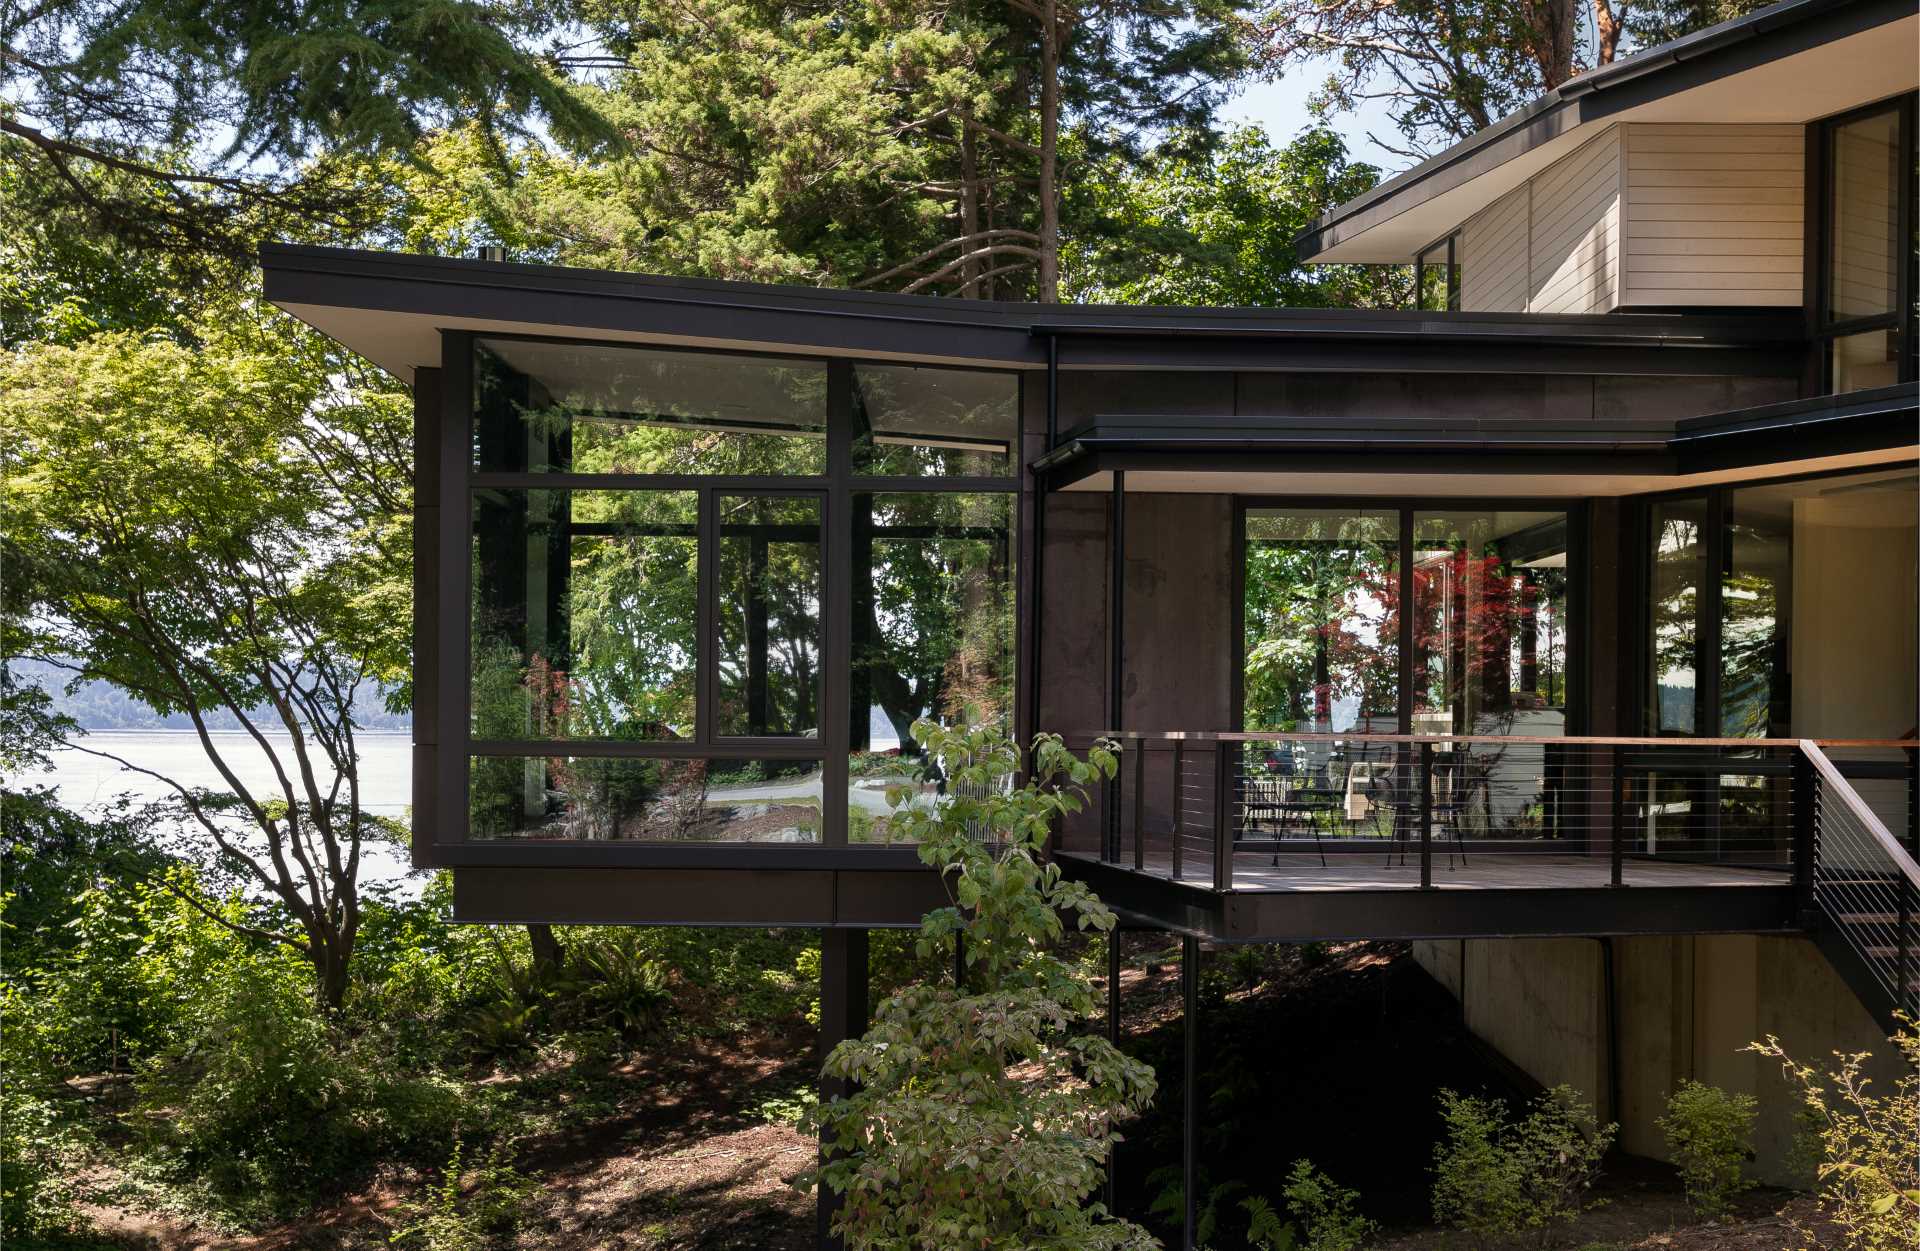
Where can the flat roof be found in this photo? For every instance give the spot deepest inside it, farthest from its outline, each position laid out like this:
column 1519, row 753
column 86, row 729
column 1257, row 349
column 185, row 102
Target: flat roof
column 1791, row 62
column 392, row 308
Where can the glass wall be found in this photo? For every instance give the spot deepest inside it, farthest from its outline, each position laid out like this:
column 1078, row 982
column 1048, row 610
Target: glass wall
column 1490, row 622
column 1796, row 599
column 653, row 660
column 1322, row 633
column 1321, row 596
column 1679, row 565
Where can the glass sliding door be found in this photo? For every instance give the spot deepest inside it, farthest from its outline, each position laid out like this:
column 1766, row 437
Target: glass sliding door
column 1679, row 575
column 1321, row 620
column 1490, row 622
column 1869, row 252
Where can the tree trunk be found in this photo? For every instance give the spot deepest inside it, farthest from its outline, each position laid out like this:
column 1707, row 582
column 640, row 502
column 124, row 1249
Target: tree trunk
column 1552, row 25
column 548, row 955
column 1607, row 24
column 1049, row 152
column 969, row 204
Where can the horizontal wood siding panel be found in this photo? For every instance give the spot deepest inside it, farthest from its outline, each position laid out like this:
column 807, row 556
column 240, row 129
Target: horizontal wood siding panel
column 1712, row 215
column 1493, row 246
column 1575, row 235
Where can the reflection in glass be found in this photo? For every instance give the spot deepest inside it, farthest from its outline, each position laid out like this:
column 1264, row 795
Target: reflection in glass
column 1322, row 630
column 1490, row 622
column 924, row 422
column 1865, row 253
column 1439, row 278
column 768, row 616
column 582, row 614
column 593, row 408
column 933, row 635
column 606, row 799
column 1818, row 617
column 1679, row 564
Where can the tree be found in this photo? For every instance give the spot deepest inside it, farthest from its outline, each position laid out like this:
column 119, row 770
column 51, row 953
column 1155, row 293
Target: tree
column 1445, row 70
column 1216, row 227
column 219, row 528
column 982, row 1113
column 194, row 128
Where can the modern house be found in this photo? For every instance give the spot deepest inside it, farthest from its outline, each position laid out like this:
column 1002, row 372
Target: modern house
column 1566, row 625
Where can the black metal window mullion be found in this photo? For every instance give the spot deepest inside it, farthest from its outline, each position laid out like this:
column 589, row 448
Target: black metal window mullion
column 837, row 680
column 456, row 573
column 706, row 658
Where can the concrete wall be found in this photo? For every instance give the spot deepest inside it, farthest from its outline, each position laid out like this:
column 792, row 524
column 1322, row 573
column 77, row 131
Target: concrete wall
column 1687, row 1007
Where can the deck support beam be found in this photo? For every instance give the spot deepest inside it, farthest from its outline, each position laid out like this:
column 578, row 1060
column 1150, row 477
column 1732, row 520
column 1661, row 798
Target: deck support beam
column 843, row 1015
column 1190, row 1092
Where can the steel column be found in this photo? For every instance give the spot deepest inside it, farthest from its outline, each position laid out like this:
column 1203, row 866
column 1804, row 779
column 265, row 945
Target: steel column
column 1117, row 642
column 1426, row 816
column 843, row 1015
column 1804, row 797
column 1139, row 804
column 1179, row 801
column 1617, row 842
column 1190, row 1095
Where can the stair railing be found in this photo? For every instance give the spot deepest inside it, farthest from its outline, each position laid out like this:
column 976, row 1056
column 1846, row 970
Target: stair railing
column 1864, row 885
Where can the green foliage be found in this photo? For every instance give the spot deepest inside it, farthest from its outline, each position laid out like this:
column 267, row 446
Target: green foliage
column 1866, row 1166
column 266, row 1105
column 1214, row 225
column 469, row 1209
column 982, row 1115
column 1709, row 1136
column 1496, row 1176
column 1325, row 1211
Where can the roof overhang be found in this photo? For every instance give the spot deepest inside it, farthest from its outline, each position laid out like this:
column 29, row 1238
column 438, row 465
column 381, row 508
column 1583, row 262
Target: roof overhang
column 1792, row 62
column 1440, row 458
column 392, row 309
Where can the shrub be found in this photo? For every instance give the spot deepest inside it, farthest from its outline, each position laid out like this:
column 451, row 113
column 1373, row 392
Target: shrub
column 468, row 1209
column 1325, row 1211
column 1866, row 1165
column 1709, row 1136
column 1495, row 1176
column 268, row 1106
column 982, row 1115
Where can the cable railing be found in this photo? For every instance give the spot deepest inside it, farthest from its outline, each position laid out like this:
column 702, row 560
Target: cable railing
column 1272, row 810
column 1864, row 883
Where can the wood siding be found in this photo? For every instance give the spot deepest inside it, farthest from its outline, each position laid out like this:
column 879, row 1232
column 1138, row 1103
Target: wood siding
column 1574, row 266
column 1648, row 216
column 1713, row 215
column 1493, row 256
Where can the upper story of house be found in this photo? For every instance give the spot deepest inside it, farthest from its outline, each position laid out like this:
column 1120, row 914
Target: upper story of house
column 1765, row 163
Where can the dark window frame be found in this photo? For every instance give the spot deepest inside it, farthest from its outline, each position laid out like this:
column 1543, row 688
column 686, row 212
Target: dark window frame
column 1818, row 242
column 1452, row 266
column 1579, row 558
column 460, row 479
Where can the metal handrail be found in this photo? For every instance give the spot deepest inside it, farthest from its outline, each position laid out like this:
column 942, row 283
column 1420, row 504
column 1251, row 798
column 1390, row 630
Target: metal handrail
column 1589, row 740
column 1857, row 808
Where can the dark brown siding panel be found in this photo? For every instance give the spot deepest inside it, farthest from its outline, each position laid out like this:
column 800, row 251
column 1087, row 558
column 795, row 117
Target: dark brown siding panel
column 754, row 897
column 1093, row 393
column 1621, row 398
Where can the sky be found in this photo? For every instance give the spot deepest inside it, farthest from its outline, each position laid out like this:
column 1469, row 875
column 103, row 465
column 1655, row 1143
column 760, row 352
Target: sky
column 1280, row 107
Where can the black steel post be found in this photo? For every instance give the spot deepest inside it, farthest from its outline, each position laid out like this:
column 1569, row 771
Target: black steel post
column 1117, row 642
column 1190, row 1094
column 1426, row 816
column 843, row 1015
column 1804, row 797
column 1618, row 808
column 1139, row 803
column 1222, row 818
column 1179, row 800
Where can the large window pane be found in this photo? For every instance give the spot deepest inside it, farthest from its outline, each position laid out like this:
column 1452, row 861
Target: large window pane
column 1322, row 627
column 590, row 408
column 1861, row 362
column 1679, row 566
column 921, row 422
column 933, row 636
column 1864, row 251
column 768, row 616
column 602, row 799
column 582, row 614
column 1818, row 608
column 1490, row 622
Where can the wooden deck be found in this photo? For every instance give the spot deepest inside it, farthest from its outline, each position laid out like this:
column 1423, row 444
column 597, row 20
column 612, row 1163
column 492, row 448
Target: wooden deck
column 1348, row 871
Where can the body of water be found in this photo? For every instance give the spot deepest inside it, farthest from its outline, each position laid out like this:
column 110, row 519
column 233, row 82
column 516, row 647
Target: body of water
column 88, row 783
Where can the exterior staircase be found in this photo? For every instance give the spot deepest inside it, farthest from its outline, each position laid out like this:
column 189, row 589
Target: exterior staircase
column 1861, row 893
